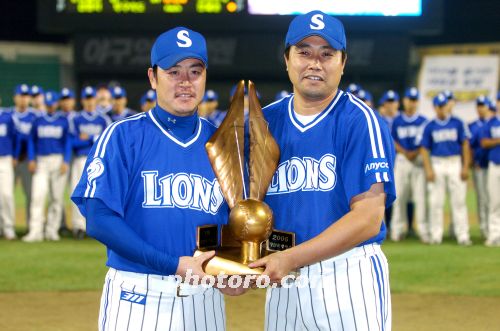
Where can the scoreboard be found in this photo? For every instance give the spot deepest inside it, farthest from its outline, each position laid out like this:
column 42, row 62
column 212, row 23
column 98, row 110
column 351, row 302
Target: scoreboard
column 149, row 6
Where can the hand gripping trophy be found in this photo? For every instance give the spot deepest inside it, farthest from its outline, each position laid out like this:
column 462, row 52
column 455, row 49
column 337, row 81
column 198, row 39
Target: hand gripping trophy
column 251, row 220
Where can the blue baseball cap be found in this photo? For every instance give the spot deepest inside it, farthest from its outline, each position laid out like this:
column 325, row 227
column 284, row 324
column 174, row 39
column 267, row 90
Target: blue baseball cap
column 440, row 100
column 449, row 94
column 412, row 93
column 178, row 44
column 482, row 100
column 23, row 89
column 51, row 98
column 353, row 88
column 281, row 94
column 88, row 92
column 67, row 93
column 210, row 95
column 36, row 90
column 389, row 96
column 365, row 95
column 316, row 23
column 118, row 92
column 149, row 96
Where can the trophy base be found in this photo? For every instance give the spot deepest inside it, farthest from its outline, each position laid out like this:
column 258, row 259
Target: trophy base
column 226, row 260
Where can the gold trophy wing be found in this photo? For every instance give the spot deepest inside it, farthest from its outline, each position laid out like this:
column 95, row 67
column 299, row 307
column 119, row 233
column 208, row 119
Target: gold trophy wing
column 225, row 149
column 264, row 151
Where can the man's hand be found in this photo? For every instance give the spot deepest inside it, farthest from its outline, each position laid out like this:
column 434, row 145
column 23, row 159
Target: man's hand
column 194, row 264
column 32, row 166
column 430, row 176
column 64, row 168
column 227, row 290
column 277, row 265
column 464, row 174
column 411, row 155
column 84, row 136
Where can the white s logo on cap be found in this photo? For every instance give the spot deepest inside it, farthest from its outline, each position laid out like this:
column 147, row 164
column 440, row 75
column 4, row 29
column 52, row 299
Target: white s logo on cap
column 183, row 39
column 317, row 22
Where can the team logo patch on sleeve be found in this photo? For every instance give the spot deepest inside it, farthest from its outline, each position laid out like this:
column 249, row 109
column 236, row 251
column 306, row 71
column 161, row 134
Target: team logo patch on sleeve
column 94, row 170
column 376, row 165
column 133, row 297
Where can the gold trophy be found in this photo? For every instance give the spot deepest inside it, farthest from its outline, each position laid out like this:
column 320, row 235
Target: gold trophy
column 251, row 220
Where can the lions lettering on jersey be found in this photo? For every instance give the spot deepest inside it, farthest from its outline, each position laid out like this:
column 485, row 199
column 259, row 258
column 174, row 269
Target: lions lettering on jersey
column 50, row 131
column 91, row 129
column 305, row 174
column 443, row 135
column 181, row 190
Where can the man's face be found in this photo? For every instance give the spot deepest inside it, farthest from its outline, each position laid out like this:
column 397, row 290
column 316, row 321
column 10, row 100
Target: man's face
column 22, row 101
column 314, row 68
column 38, row 101
column 119, row 103
column 67, row 104
column 180, row 89
column 103, row 97
column 441, row 112
column 482, row 111
column 410, row 106
column 391, row 108
column 89, row 104
column 148, row 105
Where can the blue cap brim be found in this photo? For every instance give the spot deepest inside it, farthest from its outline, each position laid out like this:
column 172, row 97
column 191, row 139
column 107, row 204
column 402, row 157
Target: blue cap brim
column 333, row 43
column 170, row 61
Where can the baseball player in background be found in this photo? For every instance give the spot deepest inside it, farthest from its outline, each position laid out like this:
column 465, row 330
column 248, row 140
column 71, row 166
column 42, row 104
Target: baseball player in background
column 390, row 107
column 38, row 99
column 88, row 126
column 332, row 185
column 7, row 140
column 49, row 153
column 446, row 156
column 480, row 161
column 408, row 170
column 490, row 140
column 103, row 99
column 23, row 117
column 148, row 100
column 208, row 108
column 119, row 108
column 144, row 197
column 366, row 97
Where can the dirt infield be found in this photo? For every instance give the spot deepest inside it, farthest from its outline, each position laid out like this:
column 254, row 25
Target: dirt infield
column 77, row 311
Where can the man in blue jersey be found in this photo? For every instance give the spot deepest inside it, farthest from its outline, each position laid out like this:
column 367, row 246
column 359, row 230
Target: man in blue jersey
column 23, row 116
column 148, row 185
column 7, row 140
column 480, row 161
column 87, row 126
column 148, row 100
column 333, row 182
column 446, row 156
column 49, row 153
column 119, row 108
column 408, row 170
column 490, row 140
column 390, row 107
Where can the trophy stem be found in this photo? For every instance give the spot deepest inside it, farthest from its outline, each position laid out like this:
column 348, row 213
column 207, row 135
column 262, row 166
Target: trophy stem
column 250, row 251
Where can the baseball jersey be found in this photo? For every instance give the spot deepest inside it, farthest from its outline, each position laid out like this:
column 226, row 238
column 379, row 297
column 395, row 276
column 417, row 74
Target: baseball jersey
column 126, row 113
column 405, row 130
column 147, row 176
column 492, row 131
column 50, row 134
column 7, row 133
column 445, row 138
column 480, row 154
column 23, row 123
column 326, row 163
column 93, row 124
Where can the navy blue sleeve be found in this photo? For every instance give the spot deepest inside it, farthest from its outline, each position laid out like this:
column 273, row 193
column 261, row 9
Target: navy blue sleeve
column 109, row 228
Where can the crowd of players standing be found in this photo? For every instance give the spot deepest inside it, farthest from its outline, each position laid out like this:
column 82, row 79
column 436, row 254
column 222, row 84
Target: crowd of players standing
column 43, row 134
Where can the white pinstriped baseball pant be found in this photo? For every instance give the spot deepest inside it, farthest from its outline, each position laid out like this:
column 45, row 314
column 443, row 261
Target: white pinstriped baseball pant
column 141, row 302
column 351, row 292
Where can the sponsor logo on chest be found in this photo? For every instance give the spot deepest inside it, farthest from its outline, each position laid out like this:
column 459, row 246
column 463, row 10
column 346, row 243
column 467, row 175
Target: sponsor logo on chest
column 181, row 190
column 407, row 131
column 304, row 174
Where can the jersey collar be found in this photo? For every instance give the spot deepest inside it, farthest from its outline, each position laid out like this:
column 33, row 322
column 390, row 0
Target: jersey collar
column 173, row 138
column 326, row 111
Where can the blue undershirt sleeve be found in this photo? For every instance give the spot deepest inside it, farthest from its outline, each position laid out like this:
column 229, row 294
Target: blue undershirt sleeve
column 109, row 228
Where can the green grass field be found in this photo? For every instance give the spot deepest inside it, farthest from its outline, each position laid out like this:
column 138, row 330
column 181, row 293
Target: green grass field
column 72, row 265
